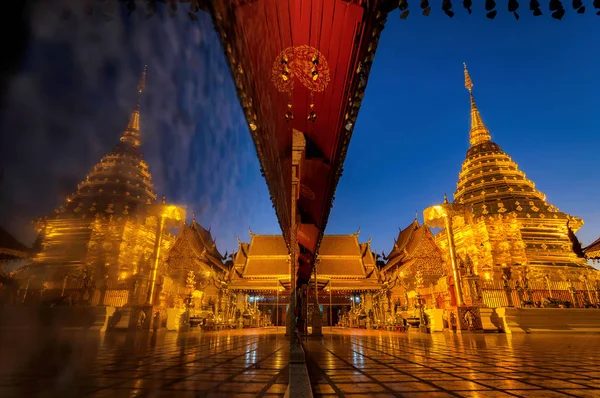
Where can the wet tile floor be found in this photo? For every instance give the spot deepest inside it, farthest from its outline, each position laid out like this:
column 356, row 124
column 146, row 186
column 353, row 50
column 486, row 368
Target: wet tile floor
column 245, row 363
column 254, row 363
column 359, row 362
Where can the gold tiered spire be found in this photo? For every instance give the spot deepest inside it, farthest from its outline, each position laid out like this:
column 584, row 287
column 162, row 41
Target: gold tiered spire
column 479, row 133
column 517, row 216
column 131, row 135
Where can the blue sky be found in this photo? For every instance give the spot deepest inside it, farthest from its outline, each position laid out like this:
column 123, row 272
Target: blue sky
column 535, row 85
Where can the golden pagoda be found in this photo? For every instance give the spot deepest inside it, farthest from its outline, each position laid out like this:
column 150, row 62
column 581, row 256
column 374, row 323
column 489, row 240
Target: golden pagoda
column 105, row 233
column 504, row 227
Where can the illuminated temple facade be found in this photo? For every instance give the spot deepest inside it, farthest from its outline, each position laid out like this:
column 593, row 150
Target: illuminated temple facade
column 346, row 277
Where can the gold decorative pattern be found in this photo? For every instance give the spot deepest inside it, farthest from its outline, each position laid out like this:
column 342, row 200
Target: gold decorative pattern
column 304, row 63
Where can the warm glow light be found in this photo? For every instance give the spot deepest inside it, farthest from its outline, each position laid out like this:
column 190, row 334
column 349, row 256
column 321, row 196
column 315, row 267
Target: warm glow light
column 123, row 275
column 487, row 276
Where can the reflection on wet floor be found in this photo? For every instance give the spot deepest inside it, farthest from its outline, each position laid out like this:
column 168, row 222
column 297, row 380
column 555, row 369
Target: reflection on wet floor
column 254, row 363
column 361, row 362
column 234, row 363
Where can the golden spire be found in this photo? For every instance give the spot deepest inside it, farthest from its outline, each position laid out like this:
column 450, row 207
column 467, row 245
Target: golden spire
column 142, row 82
column 445, row 198
column 131, row 134
column 479, row 133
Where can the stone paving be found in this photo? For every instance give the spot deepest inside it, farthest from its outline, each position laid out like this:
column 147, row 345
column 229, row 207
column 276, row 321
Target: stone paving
column 254, row 363
column 245, row 363
column 359, row 362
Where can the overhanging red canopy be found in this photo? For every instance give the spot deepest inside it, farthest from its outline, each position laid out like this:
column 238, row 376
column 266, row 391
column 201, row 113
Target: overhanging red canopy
column 303, row 65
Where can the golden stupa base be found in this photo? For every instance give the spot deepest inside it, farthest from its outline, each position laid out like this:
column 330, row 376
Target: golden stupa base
column 547, row 320
column 465, row 319
column 138, row 318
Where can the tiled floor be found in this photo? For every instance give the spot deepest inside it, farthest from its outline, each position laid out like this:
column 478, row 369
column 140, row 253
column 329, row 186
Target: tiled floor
column 254, row 363
column 357, row 362
column 237, row 363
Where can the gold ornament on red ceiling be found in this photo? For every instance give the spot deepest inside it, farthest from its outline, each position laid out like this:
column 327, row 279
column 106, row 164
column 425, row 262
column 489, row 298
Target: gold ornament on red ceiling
column 304, row 63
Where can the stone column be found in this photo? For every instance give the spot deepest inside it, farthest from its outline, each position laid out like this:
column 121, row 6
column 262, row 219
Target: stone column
column 317, row 319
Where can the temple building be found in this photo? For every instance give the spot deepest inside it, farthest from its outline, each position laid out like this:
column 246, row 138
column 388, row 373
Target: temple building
column 503, row 229
column 12, row 251
column 347, row 278
column 415, row 260
column 194, row 253
column 103, row 238
column 592, row 251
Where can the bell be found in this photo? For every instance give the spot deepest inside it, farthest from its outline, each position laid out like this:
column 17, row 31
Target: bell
column 312, row 116
column 289, row 116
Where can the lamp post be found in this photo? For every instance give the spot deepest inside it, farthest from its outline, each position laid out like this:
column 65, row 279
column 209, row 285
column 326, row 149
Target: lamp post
column 165, row 213
column 440, row 216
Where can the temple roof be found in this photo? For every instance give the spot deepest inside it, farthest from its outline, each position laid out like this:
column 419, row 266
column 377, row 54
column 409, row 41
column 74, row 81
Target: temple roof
column 11, row 248
column 267, row 245
column 407, row 244
column 404, row 237
column 341, row 257
column 592, row 251
column 206, row 240
column 339, row 245
column 190, row 250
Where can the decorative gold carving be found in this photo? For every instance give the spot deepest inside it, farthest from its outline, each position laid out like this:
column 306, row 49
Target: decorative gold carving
column 300, row 62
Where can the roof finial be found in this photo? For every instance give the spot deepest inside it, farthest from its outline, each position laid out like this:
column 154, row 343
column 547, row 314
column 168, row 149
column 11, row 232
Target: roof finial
column 142, row 82
column 445, row 198
column 358, row 231
column 250, row 231
column 131, row 135
column 164, row 200
column 468, row 82
column 417, row 215
column 479, row 132
column 193, row 215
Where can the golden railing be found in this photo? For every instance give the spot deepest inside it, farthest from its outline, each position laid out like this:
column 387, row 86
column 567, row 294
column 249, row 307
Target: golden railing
column 497, row 294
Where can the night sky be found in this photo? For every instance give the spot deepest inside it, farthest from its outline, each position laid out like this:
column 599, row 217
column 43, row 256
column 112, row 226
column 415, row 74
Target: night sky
column 536, row 85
